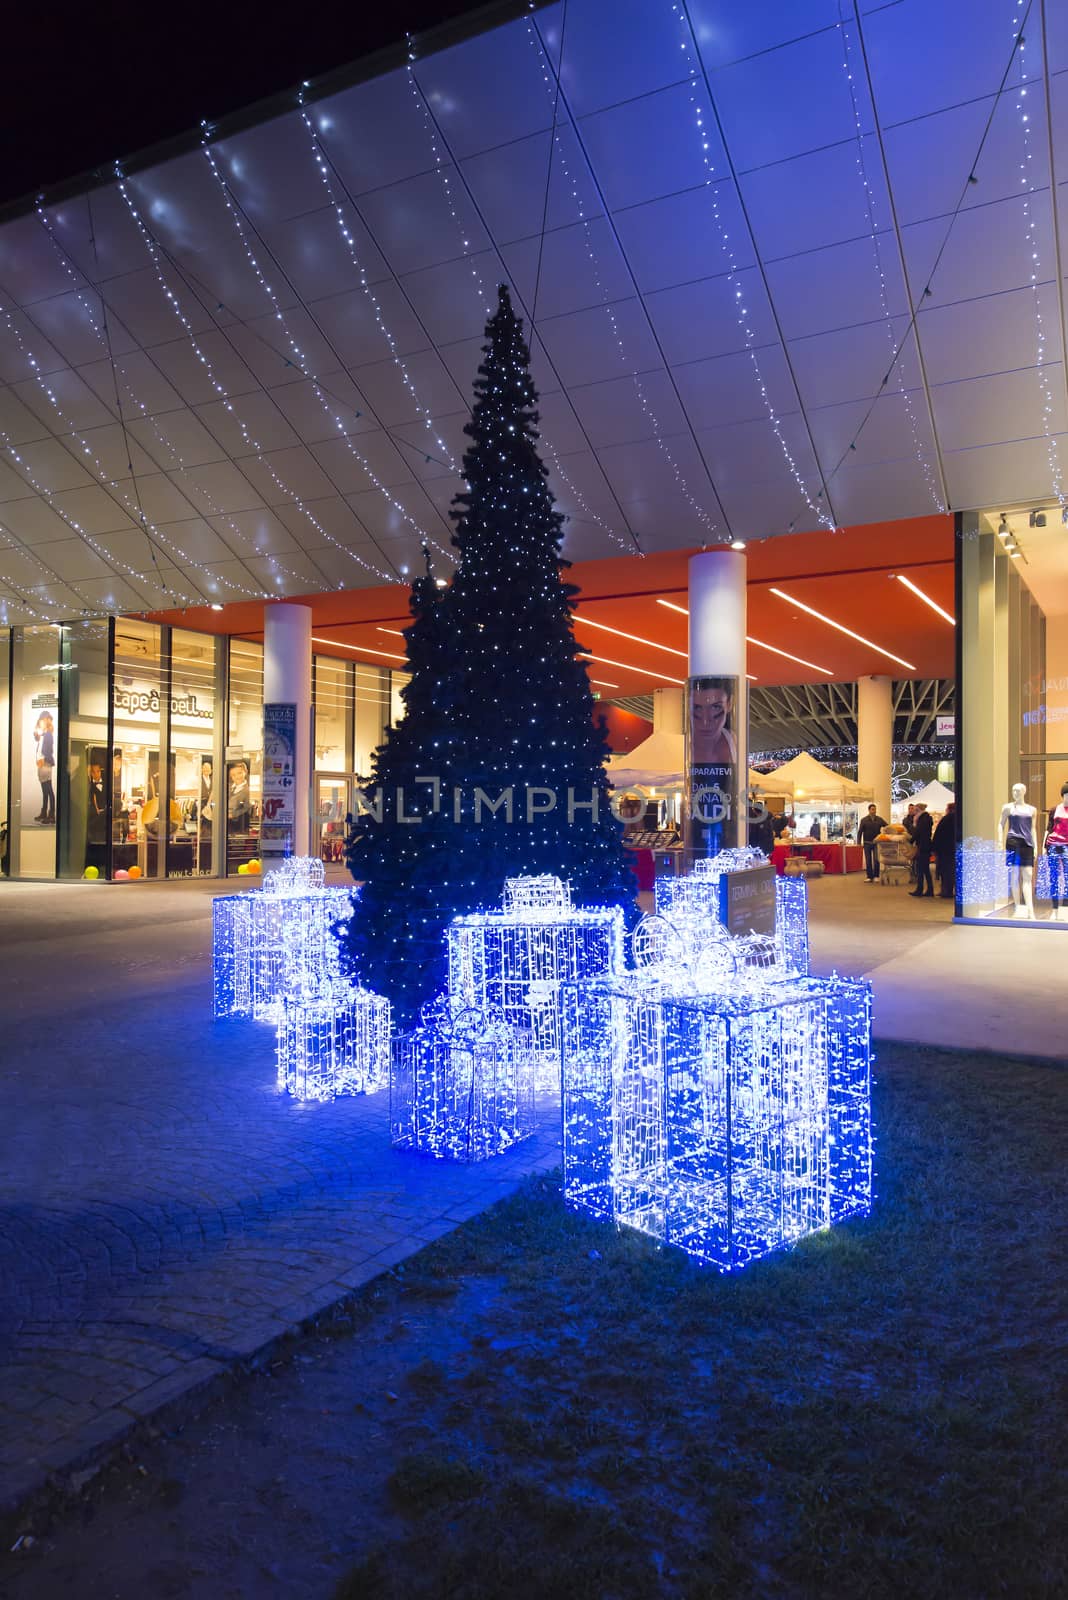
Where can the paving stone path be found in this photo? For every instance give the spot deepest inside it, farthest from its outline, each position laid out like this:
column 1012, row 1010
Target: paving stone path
column 163, row 1211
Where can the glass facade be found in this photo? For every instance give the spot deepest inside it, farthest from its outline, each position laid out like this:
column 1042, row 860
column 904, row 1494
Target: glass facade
column 1013, row 707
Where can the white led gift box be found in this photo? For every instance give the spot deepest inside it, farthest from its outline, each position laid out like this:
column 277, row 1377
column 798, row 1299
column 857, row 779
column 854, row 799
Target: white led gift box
column 721, row 1107
column 513, row 961
column 293, row 917
column 982, row 876
column 698, row 893
column 461, row 1084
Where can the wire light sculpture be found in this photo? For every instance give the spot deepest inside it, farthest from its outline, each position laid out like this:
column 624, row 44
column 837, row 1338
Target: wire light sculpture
column 461, row 1084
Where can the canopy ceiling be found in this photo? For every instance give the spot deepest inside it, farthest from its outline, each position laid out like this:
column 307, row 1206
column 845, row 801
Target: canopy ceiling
column 246, row 369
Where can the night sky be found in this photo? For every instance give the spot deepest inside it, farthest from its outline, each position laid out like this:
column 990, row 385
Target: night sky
column 84, row 85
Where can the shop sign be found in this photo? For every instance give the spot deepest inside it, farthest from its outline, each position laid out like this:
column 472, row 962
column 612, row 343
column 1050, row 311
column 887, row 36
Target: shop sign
column 140, row 702
column 747, row 900
column 946, row 727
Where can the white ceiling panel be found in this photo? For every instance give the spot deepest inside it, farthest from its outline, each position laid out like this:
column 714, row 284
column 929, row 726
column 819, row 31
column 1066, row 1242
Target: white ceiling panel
column 73, row 560
column 667, row 283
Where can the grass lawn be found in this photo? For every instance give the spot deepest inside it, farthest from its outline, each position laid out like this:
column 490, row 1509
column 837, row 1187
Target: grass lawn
column 540, row 1408
column 879, row 1412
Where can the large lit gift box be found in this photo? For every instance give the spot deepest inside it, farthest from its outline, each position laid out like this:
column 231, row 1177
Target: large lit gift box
column 332, row 1039
column 721, row 1112
column 703, row 892
column 257, row 937
column 512, row 962
column 461, row 1085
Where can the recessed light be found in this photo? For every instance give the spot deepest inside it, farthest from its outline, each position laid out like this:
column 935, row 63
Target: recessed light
column 215, row 606
column 859, row 637
column 628, row 666
column 737, row 544
column 926, row 598
column 634, row 638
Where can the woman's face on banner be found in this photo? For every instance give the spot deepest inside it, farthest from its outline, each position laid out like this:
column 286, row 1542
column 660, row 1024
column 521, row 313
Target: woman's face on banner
column 711, row 708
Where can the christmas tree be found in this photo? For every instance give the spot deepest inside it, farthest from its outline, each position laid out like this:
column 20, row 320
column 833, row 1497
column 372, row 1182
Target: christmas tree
column 498, row 710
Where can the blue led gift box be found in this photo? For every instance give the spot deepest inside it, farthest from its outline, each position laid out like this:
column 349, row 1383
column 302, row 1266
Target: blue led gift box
column 461, row 1085
column 292, row 918
column 513, row 961
column 721, row 1106
column 698, row 894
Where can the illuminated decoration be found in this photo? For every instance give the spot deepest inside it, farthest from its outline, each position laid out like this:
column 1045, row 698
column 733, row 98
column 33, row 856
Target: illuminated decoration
column 982, row 874
column 696, row 897
column 703, row 118
column 1029, row 186
column 729, row 1118
column 220, row 389
column 893, row 353
column 498, row 766
column 511, row 963
column 332, row 1038
column 461, row 1085
column 288, row 924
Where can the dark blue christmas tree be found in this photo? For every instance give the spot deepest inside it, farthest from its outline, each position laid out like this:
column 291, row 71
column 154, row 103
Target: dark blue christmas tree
column 499, row 712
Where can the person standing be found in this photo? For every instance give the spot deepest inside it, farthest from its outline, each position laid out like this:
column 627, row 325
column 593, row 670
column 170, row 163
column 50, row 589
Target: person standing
column 944, row 843
column 921, row 838
column 96, row 820
column 870, row 828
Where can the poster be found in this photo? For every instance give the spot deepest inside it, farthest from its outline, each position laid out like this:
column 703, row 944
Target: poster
column 279, row 778
column 711, row 763
column 40, row 717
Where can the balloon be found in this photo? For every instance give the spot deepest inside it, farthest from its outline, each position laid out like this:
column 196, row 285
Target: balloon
column 92, row 873
column 122, row 875
column 254, row 866
column 242, row 870
column 134, row 872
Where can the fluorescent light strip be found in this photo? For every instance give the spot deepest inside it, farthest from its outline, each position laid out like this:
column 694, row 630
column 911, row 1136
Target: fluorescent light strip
column 360, row 649
column 683, row 610
column 633, row 637
column 859, row 637
column 396, row 631
column 926, row 598
column 602, row 685
column 777, row 652
column 644, row 672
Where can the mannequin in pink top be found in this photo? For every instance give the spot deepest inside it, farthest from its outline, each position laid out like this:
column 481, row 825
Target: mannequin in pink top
column 1056, row 848
column 1016, row 829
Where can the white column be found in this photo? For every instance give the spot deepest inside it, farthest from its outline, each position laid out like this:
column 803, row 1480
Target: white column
column 287, row 680
column 717, row 604
column 875, row 739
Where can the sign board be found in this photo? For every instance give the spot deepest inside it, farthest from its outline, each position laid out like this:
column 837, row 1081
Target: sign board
column 279, row 777
column 946, row 727
column 711, row 763
column 747, row 900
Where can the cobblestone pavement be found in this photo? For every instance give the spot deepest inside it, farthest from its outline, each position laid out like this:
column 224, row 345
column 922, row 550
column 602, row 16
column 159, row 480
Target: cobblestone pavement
column 163, row 1211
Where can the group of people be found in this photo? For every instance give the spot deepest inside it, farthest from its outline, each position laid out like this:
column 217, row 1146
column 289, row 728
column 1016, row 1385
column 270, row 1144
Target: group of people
column 927, row 840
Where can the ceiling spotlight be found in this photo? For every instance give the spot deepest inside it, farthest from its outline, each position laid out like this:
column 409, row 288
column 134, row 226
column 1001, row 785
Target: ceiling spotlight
column 1064, row 516
column 1037, row 519
column 737, row 544
column 215, row 606
column 442, row 583
column 1004, row 531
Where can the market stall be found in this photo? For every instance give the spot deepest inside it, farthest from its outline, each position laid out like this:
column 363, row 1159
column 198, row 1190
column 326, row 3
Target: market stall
column 819, row 797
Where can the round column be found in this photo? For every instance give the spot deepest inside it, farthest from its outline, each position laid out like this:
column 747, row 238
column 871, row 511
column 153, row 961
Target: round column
column 287, row 704
column 717, row 721
column 875, row 739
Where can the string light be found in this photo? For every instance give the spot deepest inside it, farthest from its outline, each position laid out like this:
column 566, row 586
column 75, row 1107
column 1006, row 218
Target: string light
column 484, row 300
column 298, row 356
column 552, row 89
column 253, row 446
column 742, row 315
column 884, row 298
column 1031, row 232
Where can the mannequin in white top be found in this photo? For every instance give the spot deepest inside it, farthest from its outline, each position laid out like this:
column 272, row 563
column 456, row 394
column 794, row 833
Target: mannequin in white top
column 1016, row 832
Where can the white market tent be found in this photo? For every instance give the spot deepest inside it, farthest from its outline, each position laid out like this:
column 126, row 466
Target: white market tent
column 659, row 762
column 934, row 795
column 807, row 781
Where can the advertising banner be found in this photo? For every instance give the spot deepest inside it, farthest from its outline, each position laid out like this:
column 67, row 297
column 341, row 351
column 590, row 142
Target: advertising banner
column 279, row 778
column 712, row 776
column 747, row 900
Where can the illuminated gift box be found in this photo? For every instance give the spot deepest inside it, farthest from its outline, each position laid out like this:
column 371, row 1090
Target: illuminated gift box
column 982, row 875
column 259, row 936
column 512, row 962
column 461, row 1085
column 729, row 1123
column 332, row 1038
column 698, row 893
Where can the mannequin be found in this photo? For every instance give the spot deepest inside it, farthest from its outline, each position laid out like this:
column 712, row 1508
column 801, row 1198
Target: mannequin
column 1016, row 831
column 1056, row 848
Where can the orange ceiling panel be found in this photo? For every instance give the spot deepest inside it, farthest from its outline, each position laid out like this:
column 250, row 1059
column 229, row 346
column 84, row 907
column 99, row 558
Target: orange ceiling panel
column 849, row 577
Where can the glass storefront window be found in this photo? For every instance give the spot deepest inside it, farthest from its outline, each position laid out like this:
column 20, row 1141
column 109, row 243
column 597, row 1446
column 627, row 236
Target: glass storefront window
column 332, row 698
column 372, row 716
column 35, row 750
column 192, row 753
column 5, row 715
column 143, row 807
column 86, row 762
column 244, row 754
column 1014, row 716
column 331, row 810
